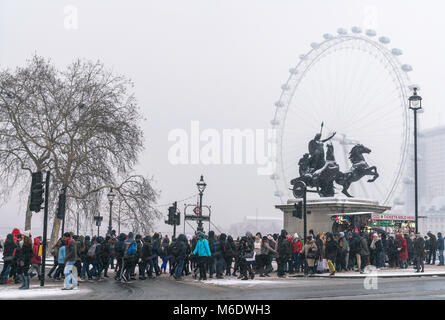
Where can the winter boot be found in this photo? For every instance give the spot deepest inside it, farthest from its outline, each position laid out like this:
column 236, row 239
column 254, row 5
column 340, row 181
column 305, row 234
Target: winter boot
column 26, row 282
column 22, row 278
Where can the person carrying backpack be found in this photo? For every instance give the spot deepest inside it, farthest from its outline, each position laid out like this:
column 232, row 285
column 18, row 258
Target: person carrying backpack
column 119, row 251
column 180, row 252
column 129, row 257
column 156, row 253
column 147, row 259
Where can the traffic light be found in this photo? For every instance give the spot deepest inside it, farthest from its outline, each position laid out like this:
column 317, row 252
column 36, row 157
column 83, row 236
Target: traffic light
column 171, row 215
column 173, row 218
column 36, row 192
column 62, row 205
column 178, row 219
column 298, row 210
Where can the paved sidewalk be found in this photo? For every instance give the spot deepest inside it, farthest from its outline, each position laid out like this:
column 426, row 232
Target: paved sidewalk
column 430, row 271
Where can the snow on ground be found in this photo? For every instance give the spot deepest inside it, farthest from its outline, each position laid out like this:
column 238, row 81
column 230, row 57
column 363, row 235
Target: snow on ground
column 236, row 282
column 37, row 292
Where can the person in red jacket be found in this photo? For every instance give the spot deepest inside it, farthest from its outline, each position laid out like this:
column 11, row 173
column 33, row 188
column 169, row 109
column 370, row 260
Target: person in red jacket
column 15, row 233
column 36, row 260
column 297, row 248
column 403, row 251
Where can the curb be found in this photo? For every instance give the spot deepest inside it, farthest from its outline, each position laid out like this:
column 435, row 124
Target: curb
column 363, row 276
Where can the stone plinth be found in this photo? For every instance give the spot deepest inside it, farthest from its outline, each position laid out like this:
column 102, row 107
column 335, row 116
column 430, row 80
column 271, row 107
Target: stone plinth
column 321, row 211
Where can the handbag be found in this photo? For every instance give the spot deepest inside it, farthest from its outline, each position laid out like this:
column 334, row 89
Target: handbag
column 8, row 258
column 250, row 256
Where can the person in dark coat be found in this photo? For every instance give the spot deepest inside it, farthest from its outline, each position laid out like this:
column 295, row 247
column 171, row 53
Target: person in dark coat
column 212, row 258
column 147, row 259
column 246, row 257
column 86, row 261
column 105, row 255
column 9, row 248
column 156, row 253
column 432, row 249
column 220, row 246
column 391, row 251
column 23, row 256
column 284, row 252
column 364, row 253
column 419, row 252
column 229, row 254
column 409, row 248
column 440, row 247
column 331, row 252
column 138, row 260
column 180, row 255
column 119, row 250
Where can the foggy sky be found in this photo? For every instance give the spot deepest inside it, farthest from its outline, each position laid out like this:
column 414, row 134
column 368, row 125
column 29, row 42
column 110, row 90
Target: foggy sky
column 219, row 62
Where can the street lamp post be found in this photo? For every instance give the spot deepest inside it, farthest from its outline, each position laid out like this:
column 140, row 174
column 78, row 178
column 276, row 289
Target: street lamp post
column 201, row 187
column 415, row 104
column 110, row 196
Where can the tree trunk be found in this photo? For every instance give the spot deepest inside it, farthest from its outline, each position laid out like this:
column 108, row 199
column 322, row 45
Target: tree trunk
column 55, row 232
column 28, row 215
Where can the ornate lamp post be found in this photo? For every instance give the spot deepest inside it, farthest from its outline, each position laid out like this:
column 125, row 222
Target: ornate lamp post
column 415, row 104
column 110, row 197
column 201, row 187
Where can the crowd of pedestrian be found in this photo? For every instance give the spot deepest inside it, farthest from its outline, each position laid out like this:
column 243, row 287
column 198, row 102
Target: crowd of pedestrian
column 203, row 256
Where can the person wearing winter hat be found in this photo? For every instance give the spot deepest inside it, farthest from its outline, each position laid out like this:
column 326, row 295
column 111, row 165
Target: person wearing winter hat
column 202, row 250
column 310, row 253
column 24, row 255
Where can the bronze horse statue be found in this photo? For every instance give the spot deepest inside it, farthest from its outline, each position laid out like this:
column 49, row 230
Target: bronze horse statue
column 359, row 169
column 323, row 179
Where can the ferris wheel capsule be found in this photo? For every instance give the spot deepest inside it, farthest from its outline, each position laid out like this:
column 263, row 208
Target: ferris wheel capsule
column 342, row 31
column 384, row 40
column 396, row 52
column 274, row 122
column 371, row 33
column 407, row 68
column 293, row 70
column 328, row 36
column 356, row 30
column 315, row 45
column 279, row 104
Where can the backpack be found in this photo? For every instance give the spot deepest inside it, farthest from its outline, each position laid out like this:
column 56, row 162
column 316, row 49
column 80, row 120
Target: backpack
column 174, row 249
column 132, row 249
column 92, row 251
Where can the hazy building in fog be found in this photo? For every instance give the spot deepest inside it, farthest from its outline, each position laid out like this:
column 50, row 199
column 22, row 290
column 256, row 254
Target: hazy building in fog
column 253, row 224
column 431, row 180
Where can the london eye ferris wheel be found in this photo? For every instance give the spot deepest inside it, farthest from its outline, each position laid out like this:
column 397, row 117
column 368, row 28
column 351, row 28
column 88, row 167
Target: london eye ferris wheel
column 355, row 83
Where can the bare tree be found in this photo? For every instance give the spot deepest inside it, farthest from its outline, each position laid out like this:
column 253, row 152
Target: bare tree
column 83, row 125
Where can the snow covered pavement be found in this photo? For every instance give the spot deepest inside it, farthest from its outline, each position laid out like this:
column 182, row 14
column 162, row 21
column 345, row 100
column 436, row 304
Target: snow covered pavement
column 37, row 292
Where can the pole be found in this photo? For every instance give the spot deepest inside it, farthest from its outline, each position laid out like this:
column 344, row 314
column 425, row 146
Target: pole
column 416, row 213
column 45, row 229
column 174, row 230
column 304, row 214
column 109, row 222
column 77, row 222
column 200, row 228
column 63, row 225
